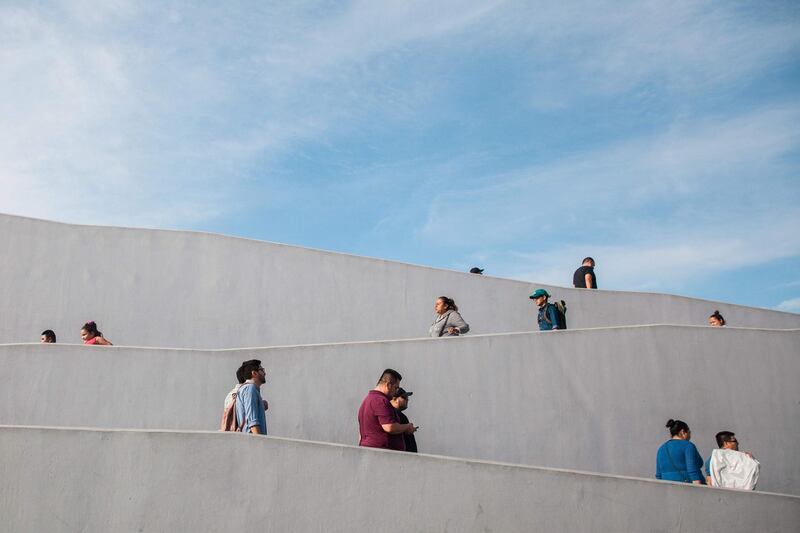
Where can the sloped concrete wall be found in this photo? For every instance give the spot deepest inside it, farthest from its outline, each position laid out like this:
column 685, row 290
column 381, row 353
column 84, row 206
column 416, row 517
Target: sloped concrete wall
column 593, row 400
column 197, row 290
column 139, row 481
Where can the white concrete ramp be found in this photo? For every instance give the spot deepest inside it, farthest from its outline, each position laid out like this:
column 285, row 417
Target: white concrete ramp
column 67, row 480
column 197, row 290
column 592, row 400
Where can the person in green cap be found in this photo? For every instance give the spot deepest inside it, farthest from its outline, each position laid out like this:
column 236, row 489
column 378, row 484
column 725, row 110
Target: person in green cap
column 548, row 314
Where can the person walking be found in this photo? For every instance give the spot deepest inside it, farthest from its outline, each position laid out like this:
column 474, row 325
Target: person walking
column 728, row 467
column 91, row 336
column 251, row 413
column 448, row 321
column 584, row 277
column 678, row 458
column 400, row 403
column 716, row 320
column 548, row 318
column 378, row 423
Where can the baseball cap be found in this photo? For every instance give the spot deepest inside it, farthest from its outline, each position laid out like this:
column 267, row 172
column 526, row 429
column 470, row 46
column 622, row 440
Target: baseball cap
column 539, row 292
column 402, row 392
column 476, row 270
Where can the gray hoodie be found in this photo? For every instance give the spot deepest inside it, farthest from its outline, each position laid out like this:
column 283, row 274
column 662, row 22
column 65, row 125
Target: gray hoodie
column 448, row 319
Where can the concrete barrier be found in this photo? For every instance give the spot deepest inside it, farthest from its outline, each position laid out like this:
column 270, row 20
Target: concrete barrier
column 114, row 481
column 593, row 400
column 197, row 290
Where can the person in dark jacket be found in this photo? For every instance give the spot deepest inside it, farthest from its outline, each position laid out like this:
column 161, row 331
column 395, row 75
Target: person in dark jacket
column 548, row 315
column 400, row 404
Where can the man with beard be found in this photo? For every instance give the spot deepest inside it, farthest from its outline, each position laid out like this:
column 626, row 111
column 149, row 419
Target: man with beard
column 250, row 410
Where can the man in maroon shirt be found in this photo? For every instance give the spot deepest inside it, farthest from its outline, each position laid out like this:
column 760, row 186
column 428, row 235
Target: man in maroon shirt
column 377, row 419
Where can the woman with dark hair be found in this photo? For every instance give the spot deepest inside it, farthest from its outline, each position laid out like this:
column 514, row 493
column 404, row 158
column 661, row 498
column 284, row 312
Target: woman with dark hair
column 48, row 336
column 716, row 320
column 91, row 335
column 678, row 458
column 448, row 322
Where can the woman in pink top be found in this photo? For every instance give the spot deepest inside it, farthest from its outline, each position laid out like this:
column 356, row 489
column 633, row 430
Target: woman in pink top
column 90, row 335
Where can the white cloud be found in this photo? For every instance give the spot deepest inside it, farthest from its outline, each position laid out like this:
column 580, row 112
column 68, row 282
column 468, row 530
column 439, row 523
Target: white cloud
column 696, row 170
column 655, row 213
column 792, row 305
column 132, row 113
column 582, row 48
column 122, row 112
column 668, row 261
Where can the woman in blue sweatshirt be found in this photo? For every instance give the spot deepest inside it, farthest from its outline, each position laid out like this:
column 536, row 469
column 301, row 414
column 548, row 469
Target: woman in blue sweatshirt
column 678, row 459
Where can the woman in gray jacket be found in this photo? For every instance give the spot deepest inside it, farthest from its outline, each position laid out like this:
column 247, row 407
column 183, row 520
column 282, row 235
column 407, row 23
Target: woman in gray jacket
column 448, row 322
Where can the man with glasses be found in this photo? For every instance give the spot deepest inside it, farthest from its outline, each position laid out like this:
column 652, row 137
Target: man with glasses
column 250, row 408
column 378, row 423
column 732, row 470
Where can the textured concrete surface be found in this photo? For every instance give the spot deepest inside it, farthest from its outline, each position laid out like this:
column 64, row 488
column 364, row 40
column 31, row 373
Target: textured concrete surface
column 120, row 481
column 593, row 400
column 197, row 290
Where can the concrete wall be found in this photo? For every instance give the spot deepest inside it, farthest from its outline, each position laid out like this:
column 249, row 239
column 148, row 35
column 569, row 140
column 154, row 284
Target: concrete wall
column 184, row 289
column 593, row 400
column 169, row 481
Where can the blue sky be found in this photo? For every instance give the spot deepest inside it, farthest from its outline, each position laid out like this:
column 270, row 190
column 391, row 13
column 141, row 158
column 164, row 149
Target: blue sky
column 662, row 139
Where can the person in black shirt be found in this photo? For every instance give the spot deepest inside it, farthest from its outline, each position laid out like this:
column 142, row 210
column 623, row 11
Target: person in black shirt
column 584, row 277
column 400, row 404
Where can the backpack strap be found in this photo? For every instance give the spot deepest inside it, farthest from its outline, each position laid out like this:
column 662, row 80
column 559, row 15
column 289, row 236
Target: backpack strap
column 544, row 313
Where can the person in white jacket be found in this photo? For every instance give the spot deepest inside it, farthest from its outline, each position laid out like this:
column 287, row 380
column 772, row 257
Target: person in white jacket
column 728, row 467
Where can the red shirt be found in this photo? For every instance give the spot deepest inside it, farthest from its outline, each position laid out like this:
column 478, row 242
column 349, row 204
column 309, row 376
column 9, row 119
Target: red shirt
column 374, row 411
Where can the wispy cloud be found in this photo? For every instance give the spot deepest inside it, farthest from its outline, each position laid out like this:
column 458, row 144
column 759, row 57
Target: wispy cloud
column 792, row 305
column 105, row 120
column 444, row 132
column 699, row 165
column 655, row 211
column 96, row 102
column 578, row 49
column 667, row 262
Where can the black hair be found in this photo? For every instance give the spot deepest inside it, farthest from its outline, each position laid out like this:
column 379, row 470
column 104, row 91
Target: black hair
column 448, row 302
column 676, row 426
column 91, row 328
column 723, row 437
column 240, row 377
column 49, row 335
column 390, row 376
column 247, row 369
column 718, row 317
column 587, row 259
